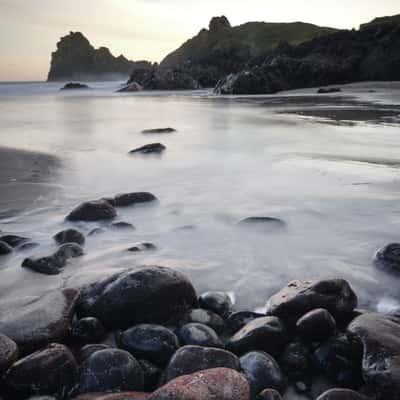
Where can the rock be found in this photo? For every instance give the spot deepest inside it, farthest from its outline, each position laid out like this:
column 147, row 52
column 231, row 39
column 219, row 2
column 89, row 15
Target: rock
column 48, row 265
column 380, row 336
column 218, row 302
column 8, row 353
column 159, row 130
column 300, row 297
column 316, row 325
column 123, row 225
column 96, row 231
column 146, row 295
column 93, row 211
column 238, row 320
column 73, row 85
column 296, row 361
column 198, row 335
column 262, row 372
column 190, row 359
column 151, row 375
column 131, row 199
column 269, row 394
column 40, row 322
column 132, row 87
column 205, row 317
column 265, row 334
column 5, row 249
column 218, row 24
column 328, row 90
column 150, row 342
column 27, row 246
column 51, row 371
column 389, row 257
column 87, row 330
column 152, row 148
column 86, row 351
column 217, row 383
column 342, row 394
column 110, row 370
column 70, row 236
column 142, row 246
column 69, row 250
column 114, row 396
column 263, row 223
column 13, row 240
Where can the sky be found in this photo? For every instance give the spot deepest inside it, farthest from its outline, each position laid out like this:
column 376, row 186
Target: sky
column 149, row 29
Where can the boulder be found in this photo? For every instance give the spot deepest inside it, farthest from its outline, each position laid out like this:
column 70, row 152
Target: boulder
column 342, row 394
column 5, row 249
column 48, row 265
column 198, row 335
column 144, row 295
column 14, row 240
column 217, row 383
column 51, row 371
column 238, row 320
column 150, row 342
column 389, row 257
column 93, row 211
column 110, row 370
column 152, row 148
column 205, row 317
column 190, row 359
column 8, row 353
column 131, row 199
column 317, row 325
column 218, row 302
column 265, row 334
column 296, row 361
column 40, row 322
column 300, row 297
column 131, row 87
column 87, row 330
column 70, row 236
column 380, row 336
column 142, row 246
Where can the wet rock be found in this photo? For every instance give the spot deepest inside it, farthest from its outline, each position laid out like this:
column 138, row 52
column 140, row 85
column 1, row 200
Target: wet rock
column 152, row 148
column 380, row 336
column 110, row 200
column 142, row 246
column 198, row 335
column 74, row 86
column 146, row 295
column 123, row 226
column 262, row 372
column 190, row 359
column 265, row 334
column 217, row 383
column 159, row 130
column 96, row 231
column 40, row 322
column 328, row 90
column 93, row 211
column 150, row 342
column 86, row 351
column 48, row 265
column 389, row 257
column 13, row 240
column 262, row 223
column 5, row 249
column 27, row 246
column 218, row 302
column 300, row 297
column 51, row 371
column 238, row 320
column 269, row 394
column 114, row 396
column 151, row 375
column 70, row 236
column 132, row 87
column 205, row 317
column 342, row 394
column 69, row 250
column 316, row 325
column 87, row 330
column 131, row 199
column 110, row 370
column 8, row 353
column 296, row 361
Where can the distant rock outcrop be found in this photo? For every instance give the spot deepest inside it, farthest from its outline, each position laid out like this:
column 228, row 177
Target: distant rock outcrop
column 76, row 59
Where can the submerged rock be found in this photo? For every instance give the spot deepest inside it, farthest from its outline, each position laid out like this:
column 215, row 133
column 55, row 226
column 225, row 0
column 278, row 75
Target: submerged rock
column 389, row 257
column 131, row 199
column 146, row 295
column 69, row 250
column 13, row 240
column 73, row 85
column 262, row 223
column 198, row 335
column 218, row 302
column 48, row 265
column 142, row 246
column 159, row 130
column 70, row 236
column 5, row 249
column 152, row 148
column 8, row 353
column 123, row 225
column 131, row 87
column 93, row 211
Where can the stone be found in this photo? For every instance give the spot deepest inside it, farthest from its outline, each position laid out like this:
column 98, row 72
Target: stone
column 269, row 394
column 380, row 336
column 5, row 249
column 131, row 199
column 142, row 246
column 389, row 257
column 205, row 317
column 300, row 297
column 342, row 394
column 217, row 383
column 27, row 246
column 123, row 226
column 317, row 325
column 143, row 295
column 8, row 353
column 87, row 330
column 40, row 322
column 218, row 302
column 265, row 334
column 151, row 375
column 238, row 320
column 328, row 90
column 50, row 371
column 48, row 265
column 198, row 335
column 74, row 86
column 114, row 396
column 150, row 342
column 86, row 351
column 70, row 236
column 152, row 148
column 262, row 223
column 93, row 211
column 96, row 231
column 159, row 130
column 110, row 370
column 69, row 250
column 132, row 87
column 190, row 359
column 13, row 240
column 296, row 361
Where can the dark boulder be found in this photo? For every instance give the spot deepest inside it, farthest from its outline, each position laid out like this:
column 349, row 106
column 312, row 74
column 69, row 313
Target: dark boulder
column 190, row 359
column 152, row 148
column 48, row 265
column 131, row 199
column 296, row 361
column 51, row 371
column 389, row 257
column 86, row 351
column 5, row 249
column 93, row 211
column 123, row 225
column 151, row 374
column 205, row 317
column 131, row 87
column 143, row 246
column 265, row 334
column 198, row 335
column 40, row 322
column 70, row 236
column 13, row 240
column 300, row 297
column 145, row 295
column 262, row 372
column 218, row 302
column 8, row 353
column 317, row 325
column 342, row 394
column 87, row 330
column 110, row 370
column 159, row 130
column 269, row 394
column 238, row 320
column 69, row 250
column 150, row 342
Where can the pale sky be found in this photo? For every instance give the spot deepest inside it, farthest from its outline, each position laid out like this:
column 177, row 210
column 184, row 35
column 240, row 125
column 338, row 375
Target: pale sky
column 149, row 29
